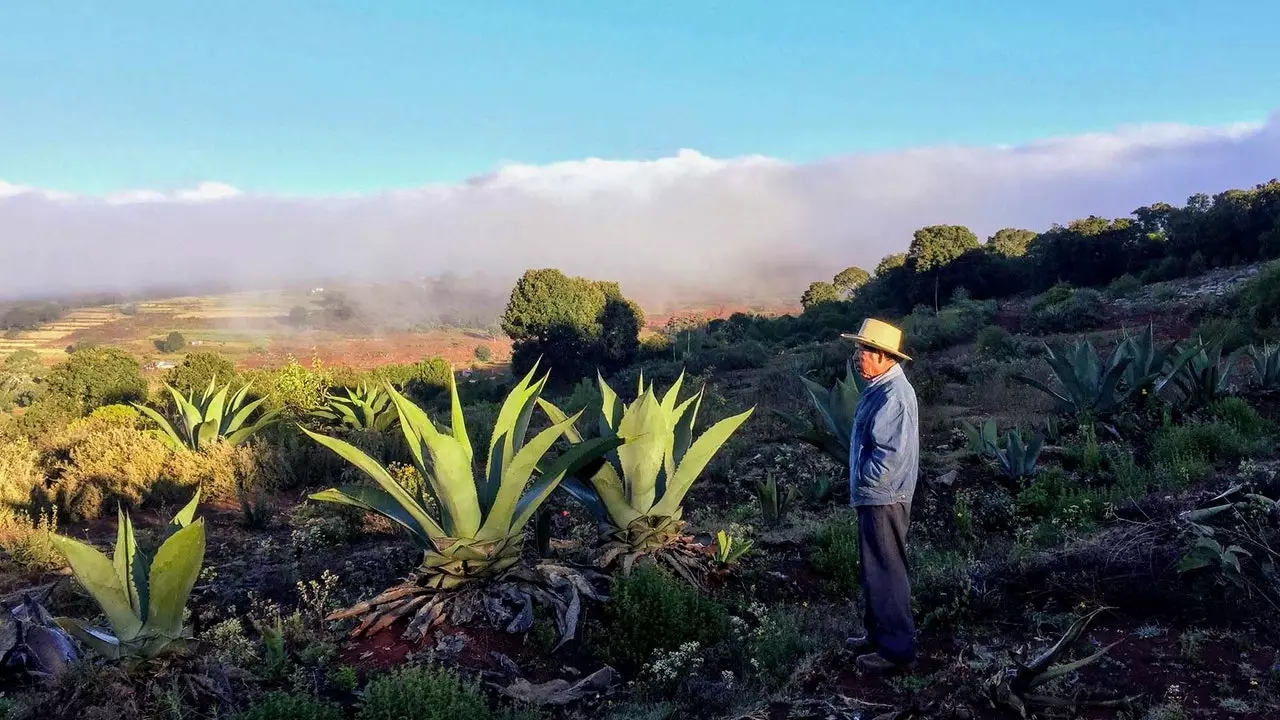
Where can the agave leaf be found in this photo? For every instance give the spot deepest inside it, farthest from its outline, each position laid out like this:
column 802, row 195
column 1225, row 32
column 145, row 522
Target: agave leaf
column 646, row 429
column 672, row 395
column 242, row 415
column 558, row 416
column 610, row 407
column 612, row 494
column 381, row 502
column 214, row 410
column 561, row 472
column 125, row 560
column 99, row 577
column 244, row 433
column 444, row 465
column 166, row 431
column 384, row 480
column 1058, row 671
column 501, row 517
column 458, row 421
column 686, row 417
column 173, row 573
column 700, row 453
column 103, row 643
column 1044, row 389
column 186, row 515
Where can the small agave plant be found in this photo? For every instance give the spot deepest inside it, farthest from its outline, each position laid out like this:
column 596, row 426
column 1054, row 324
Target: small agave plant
column 983, row 441
column 363, row 408
column 142, row 595
column 637, row 494
column 1266, row 367
column 1018, row 457
column 1201, row 379
column 774, row 501
column 836, row 407
column 479, row 534
column 1016, row 688
column 729, row 550
column 213, row 417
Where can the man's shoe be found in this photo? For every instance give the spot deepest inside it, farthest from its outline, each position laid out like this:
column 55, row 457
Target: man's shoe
column 859, row 644
column 877, row 664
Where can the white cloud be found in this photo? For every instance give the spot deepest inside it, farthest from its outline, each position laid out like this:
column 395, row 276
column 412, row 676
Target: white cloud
column 746, row 226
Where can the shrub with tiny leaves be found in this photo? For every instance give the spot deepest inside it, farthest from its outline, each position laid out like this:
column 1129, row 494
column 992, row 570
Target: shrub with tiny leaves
column 289, row 706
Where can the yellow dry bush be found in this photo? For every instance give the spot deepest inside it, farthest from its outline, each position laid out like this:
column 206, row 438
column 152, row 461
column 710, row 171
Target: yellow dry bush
column 20, row 473
column 104, row 465
column 223, row 470
column 29, row 542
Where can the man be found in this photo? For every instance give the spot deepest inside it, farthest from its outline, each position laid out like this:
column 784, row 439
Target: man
column 884, row 458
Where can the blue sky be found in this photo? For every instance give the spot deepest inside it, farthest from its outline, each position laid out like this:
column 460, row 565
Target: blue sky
column 322, row 97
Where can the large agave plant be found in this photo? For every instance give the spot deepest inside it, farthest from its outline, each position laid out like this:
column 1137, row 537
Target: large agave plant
column 480, row 530
column 1147, row 361
column 1201, row 379
column 638, row 492
column 365, row 408
column 214, row 416
column 142, row 595
column 836, row 407
column 1266, row 367
column 1088, row 386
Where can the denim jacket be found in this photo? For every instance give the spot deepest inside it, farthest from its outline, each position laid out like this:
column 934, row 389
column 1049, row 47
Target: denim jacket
column 884, row 446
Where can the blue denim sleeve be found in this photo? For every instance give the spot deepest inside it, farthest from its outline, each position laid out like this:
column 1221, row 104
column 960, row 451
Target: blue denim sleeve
column 889, row 432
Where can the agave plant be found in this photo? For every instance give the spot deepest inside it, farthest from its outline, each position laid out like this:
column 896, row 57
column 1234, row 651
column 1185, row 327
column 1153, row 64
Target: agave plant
column 142, row 595
column 636, row 495
column 1015, row 687
column 480, row 531
column 983, row 441
column 836, row 406
column 1147, row 361
column 213, row 417
column 774, row 503
column 365, row 408
column 1089, row 387
column 730, row 550
column 1201, row 379
column 1266, row 367
column 1018, row 457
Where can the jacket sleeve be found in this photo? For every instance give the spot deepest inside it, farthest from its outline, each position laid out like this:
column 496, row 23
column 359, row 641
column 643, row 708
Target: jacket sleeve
column 888, row 434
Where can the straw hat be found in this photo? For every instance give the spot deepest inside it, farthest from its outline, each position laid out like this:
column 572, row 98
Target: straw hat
column 881, row 336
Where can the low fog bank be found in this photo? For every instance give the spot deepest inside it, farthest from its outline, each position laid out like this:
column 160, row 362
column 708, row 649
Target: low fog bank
column 676, row 230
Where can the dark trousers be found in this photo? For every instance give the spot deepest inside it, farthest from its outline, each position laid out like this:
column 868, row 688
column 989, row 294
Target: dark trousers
column 886, row 589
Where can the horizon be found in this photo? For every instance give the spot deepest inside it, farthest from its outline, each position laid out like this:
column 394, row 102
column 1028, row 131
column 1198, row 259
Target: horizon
column 671, row 152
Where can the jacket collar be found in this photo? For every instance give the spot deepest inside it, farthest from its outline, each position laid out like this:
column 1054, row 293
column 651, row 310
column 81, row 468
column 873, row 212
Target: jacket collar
column 891, row 373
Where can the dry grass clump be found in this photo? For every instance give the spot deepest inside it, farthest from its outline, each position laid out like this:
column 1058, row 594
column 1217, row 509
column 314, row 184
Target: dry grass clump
column 28, row 541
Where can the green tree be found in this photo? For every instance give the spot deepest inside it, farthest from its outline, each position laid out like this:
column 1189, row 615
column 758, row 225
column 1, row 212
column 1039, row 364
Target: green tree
column 576, row 325
column 933, row 248
column 483, row 353
column 172, row 343
column 889, row 263
column 197, row 369
column 299, row 316
column 819, row 293
column 1010, row 242
column 98, row 376
column 848, row 281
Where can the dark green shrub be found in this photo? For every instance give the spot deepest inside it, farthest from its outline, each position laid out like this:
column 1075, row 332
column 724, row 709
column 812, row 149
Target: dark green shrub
column 287, row 706
column 1124, row 286
column 1055, row 295
column 838, row 554
column 654, row 610
column 1187, row 453
column 1233, row 333
column 171, row 344
column 1082, row 310
column 98, row 376
column 1236, row 412
column 996, row 342
column 197, row 369
column 1260, row 297
column 425, row 692
column 953, row 324
column 483, row 353
column 775, row 645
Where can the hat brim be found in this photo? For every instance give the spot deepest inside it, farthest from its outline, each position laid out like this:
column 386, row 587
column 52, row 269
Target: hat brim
column 872, row 343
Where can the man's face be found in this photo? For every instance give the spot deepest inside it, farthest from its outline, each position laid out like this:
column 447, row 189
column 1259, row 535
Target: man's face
column 872, row 363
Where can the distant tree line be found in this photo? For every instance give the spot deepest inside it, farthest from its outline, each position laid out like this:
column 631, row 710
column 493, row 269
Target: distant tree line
column 1158, row 242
